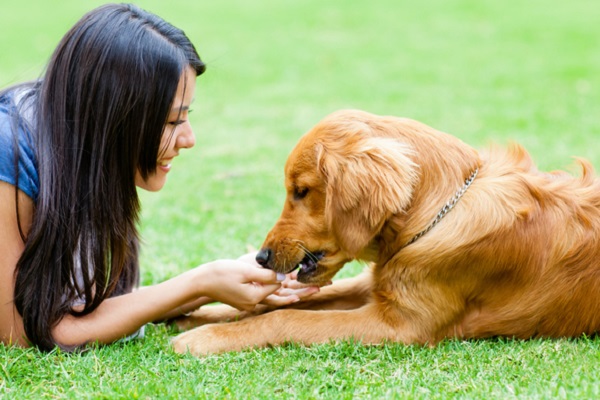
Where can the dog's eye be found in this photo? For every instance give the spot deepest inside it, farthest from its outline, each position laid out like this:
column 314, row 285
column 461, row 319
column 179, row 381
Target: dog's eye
column 300, row 193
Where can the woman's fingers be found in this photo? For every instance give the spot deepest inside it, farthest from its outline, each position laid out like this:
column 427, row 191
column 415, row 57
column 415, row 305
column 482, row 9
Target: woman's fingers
column 285, row 296
column 300, row 293
column 264, row 276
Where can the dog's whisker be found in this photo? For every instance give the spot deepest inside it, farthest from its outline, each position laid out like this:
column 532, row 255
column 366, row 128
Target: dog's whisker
column 301, row 246
column 308, row 253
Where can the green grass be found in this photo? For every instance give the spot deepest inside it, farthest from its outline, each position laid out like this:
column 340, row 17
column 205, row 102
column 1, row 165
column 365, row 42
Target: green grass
column 477, row 369
column 486, row 71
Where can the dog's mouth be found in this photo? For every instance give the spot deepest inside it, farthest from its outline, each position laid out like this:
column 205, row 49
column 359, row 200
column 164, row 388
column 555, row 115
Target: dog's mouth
column 308, row 265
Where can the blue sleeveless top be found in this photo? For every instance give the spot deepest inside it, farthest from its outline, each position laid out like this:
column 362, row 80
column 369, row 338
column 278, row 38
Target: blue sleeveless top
column 26, row 167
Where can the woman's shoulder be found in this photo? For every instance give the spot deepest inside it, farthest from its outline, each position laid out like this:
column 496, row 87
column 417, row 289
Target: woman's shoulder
column 6, row 131
column 10, row 117
column 16, row 144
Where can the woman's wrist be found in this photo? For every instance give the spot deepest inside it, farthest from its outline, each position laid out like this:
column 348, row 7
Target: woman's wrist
column 200, row 279
column 188, row 288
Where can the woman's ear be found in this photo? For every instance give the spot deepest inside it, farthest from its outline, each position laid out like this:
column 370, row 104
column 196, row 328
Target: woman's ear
column 368, row 180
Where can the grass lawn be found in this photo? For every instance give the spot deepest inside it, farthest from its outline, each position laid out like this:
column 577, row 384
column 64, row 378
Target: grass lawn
column 486, row 71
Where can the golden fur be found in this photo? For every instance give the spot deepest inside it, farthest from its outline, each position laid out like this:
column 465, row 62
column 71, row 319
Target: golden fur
column 519, row 255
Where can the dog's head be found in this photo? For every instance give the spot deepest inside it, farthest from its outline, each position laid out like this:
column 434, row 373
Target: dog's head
column 344, row 179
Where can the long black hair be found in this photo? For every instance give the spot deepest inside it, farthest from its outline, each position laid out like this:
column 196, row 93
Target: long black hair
column 98, row 117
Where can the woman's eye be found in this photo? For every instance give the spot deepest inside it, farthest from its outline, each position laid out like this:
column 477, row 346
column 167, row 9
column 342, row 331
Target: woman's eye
column 178, row 122
column 300, row 193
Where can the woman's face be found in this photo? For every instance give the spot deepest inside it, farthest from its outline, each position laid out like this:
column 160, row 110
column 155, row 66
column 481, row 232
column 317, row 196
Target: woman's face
column 177, row 134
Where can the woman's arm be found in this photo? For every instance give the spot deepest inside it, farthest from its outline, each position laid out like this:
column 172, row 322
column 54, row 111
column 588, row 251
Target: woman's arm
column 185, row 308
column 11, row 247
column 228, row 281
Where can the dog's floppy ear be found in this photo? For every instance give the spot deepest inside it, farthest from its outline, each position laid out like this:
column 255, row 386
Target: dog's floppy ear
column 368, row 180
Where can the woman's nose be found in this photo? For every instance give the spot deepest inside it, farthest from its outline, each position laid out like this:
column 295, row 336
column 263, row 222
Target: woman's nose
column 186, row 138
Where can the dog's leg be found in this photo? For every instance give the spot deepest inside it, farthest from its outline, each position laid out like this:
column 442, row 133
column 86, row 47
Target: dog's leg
column 343, row 294
column 364, row 324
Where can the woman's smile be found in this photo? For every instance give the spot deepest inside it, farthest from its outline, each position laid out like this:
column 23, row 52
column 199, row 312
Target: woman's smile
column 165, row 166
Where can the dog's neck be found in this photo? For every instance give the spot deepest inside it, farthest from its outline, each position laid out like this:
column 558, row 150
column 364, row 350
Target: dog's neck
column 446, row 208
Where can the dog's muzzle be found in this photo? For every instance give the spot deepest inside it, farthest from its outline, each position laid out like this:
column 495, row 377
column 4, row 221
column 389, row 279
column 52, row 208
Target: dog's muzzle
column 307, row 265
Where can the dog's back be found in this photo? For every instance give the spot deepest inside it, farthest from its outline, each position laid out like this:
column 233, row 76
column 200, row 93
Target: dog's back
column 548, row 257
column 520, row 257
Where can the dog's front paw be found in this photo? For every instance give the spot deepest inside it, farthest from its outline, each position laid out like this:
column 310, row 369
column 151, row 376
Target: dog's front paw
column 198, row 342
column 205, row 340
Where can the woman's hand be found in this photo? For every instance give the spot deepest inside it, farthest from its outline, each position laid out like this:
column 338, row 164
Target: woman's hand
column 237, row 283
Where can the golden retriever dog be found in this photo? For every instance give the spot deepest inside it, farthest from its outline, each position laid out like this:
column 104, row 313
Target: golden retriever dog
column 462, row 244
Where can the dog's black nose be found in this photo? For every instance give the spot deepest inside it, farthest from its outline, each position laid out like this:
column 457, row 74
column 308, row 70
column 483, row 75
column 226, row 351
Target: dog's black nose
column 263, row 257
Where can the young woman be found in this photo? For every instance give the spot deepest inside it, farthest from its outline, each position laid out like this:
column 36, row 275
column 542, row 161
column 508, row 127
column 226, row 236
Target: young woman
column 110, row 114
